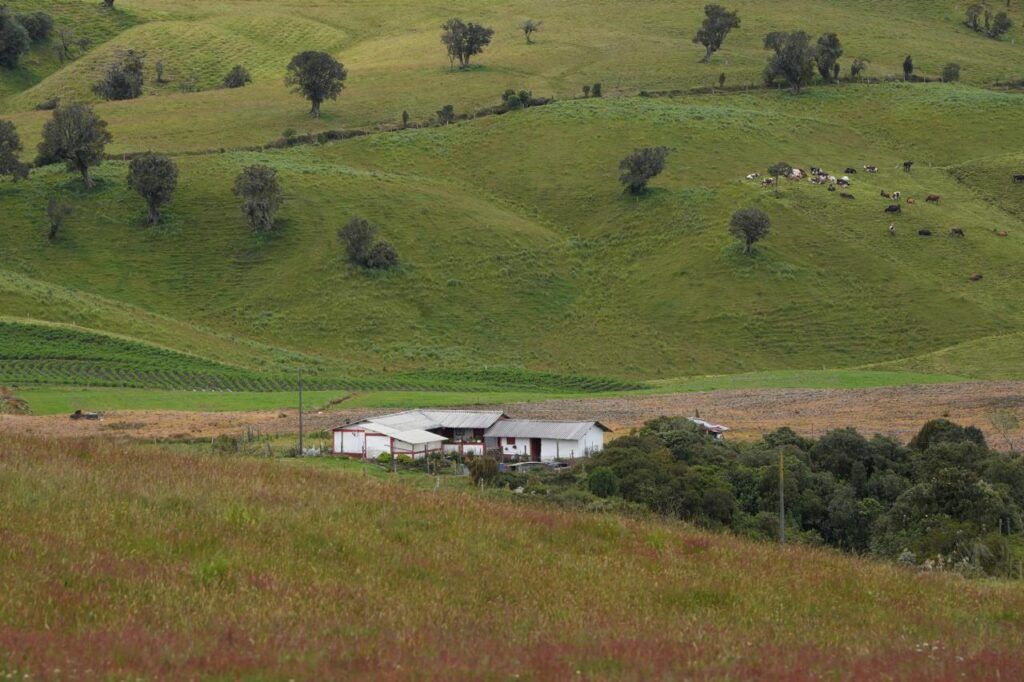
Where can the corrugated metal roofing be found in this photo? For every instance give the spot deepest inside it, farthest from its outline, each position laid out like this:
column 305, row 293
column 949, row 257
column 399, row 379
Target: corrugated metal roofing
column 529, row 428
column 713, row 428
column 411, row 436
column 439, row 419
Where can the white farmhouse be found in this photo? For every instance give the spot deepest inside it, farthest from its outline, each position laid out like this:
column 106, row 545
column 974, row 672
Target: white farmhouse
column 468, row 432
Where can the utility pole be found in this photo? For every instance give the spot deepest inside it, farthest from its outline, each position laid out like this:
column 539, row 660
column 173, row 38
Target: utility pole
column 300, row 413
column 782, row 499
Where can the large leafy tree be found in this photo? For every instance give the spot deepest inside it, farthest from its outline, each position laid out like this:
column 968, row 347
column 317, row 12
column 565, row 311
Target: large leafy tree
column 77, row 136
column 827, row 54
column 641, row 166
column 10, row 150
column 718, row 21
column 463, row 40
column 261, row 196
column 154, row 177
column 792, row 58
column 14, row 39
column 317, row 76
column 750, row 225
column 124, row 78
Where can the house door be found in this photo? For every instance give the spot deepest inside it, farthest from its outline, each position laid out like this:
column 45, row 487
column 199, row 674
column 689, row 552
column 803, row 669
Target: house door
column 535, row 449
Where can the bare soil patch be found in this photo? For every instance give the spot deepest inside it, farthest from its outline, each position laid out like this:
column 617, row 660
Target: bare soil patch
column 893, row 411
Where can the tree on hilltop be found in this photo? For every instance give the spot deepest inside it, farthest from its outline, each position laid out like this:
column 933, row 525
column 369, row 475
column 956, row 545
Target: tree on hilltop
column 317, row 76
column 77, row 136
column 718, row 21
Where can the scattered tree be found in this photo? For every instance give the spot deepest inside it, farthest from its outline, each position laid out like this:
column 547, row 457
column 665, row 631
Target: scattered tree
column 951, row 73
column 237, row 77
column 189, row 83
column 827, row 54
column 108, row 3
column 586, row 90
column 57, row 211
column 750, row 225
column 716, row 26
column 10, row 151
column 154, row 177
column 261, row 195
column 463, row 40
column 38, row 24
column 516, row 100
column 405, row 119
column 14, row 39
column 446, row 114
column 124, row 77
column 317, row 76
column 779, row 170
column 721, row 80
column 1000, row 25
column 641, row 166
column 382, row 256
column 858, row 67
column 792, row 58
column 595, row 91
column 529, row 28
column 908, row 67
column 159, row 68
column 360, row 239
column 77, row 136
column 835, row 71
column 973, row 16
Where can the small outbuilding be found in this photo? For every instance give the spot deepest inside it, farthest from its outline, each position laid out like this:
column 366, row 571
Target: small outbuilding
column 543, row 441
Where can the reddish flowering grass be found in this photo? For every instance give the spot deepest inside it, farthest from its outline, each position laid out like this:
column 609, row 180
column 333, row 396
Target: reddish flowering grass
column 130, row 561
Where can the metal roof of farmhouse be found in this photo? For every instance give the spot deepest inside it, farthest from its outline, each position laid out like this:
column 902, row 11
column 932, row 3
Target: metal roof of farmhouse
column 534, row 428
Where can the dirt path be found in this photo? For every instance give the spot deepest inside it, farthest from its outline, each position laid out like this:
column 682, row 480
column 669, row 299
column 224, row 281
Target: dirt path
column 897, row 412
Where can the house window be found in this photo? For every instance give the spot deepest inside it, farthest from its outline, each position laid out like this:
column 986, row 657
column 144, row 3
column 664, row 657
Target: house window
column 510, row 441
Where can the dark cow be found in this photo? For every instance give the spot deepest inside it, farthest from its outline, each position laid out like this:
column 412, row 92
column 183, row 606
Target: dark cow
column 894, row 208
column 932, row 198
column 850, row 171
column 1019, row 177
column 956, row 232
column 924, row 233
column 831, row 188
column 846, row 195
column 907, row 165
column 976, row 276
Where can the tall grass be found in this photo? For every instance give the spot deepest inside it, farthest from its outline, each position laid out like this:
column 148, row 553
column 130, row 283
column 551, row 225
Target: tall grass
column 125, row 562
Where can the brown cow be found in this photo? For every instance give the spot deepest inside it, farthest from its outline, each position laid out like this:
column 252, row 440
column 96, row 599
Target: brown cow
column 886, row 194
column 910, row 200
column 1003, row 233
column 976, row 276
column 932, row 198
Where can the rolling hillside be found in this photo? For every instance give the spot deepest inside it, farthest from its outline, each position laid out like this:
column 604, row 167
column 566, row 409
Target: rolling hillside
column 518, row 248
column 157, row 563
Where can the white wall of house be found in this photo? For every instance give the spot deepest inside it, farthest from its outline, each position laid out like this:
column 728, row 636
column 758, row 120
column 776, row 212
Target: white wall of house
column 376, row 444
column 465, row 449
column 593, row 441
column 349, row 442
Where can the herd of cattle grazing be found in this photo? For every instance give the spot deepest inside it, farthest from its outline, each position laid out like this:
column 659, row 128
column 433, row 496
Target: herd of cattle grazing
column 819, row 176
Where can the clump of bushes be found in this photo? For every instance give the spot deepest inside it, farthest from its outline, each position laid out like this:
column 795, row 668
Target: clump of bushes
column 237, row 77
column 363, row 248
column 483, row 470
column 38, row 25
column 980, row 19
column 124, row 78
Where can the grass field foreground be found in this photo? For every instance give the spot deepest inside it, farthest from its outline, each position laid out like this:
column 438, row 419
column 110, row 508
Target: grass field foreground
column 155, row 563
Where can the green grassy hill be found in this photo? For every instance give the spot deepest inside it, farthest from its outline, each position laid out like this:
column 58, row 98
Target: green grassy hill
column 518, row 248
column 149, row 563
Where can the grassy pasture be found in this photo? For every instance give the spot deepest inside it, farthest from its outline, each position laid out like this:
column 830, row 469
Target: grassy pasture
column 151, row 563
